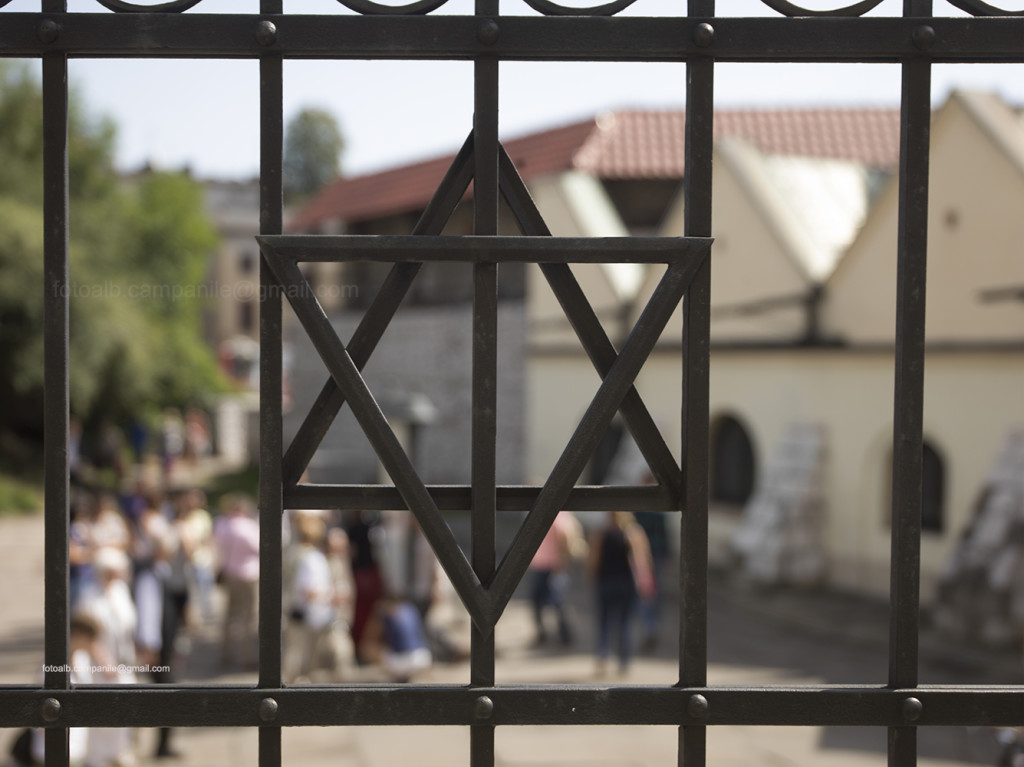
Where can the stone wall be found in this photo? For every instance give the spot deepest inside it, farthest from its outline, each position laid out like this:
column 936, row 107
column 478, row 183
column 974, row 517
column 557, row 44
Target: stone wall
column 428, row 351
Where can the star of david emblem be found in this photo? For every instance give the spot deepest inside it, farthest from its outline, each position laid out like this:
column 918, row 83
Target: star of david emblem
column 484, row 599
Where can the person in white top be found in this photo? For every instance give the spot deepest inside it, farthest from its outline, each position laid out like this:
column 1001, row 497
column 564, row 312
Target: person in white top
column 114, row 612
column 84, row 633
column 315, row 629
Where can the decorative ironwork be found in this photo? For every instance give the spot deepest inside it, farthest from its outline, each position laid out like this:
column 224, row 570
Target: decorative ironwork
column 552, row 8
column 698, row 39
column 684, row 256
column 981, row 8
column 174, row 6
column 371, row 7
column 549, row 8
column 791, row 9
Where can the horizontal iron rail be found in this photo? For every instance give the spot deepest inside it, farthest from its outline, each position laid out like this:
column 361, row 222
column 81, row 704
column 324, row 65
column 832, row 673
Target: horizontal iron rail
column 184, row 706
column 486, row 249
column 519, row 38
column 457, row 497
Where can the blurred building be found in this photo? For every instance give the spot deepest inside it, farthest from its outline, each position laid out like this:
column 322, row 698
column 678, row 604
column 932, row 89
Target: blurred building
column 233, row 314
column 803, row 316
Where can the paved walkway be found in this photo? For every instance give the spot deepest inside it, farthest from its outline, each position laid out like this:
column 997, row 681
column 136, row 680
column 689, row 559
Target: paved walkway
column 756, row 638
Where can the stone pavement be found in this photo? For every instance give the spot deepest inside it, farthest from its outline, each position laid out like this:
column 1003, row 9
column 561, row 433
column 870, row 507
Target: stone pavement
column 755, row 638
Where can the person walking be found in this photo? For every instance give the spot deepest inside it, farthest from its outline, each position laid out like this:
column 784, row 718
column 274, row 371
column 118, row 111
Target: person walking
column 365, row 538
column 549, row 572
column 620, row 564
column 237, row 540
column 656, row 530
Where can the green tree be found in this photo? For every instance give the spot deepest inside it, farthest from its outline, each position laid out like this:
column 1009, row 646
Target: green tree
column 132, row 350
column 312, row 153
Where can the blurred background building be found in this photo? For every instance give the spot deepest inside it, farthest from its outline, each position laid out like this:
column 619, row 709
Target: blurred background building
column 803, row 319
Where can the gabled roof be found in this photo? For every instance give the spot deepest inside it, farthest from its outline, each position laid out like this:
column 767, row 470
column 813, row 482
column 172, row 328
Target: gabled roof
column 814, row 206
column 623, row 145
column 1003, row 124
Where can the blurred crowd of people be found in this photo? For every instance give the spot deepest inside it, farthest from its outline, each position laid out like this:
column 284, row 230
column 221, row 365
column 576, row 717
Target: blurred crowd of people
column 365, row 590
column 105, row 454
column 151, row 571
column 140, row 565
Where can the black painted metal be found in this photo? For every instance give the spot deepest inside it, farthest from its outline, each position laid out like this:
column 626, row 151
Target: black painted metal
column 912, row 253
column 693, row 544
column 483, row 496
column 592, row 335
column 271, row 382
column 871, row 39
column 380, row 30
column 57, row 392
column 234, row 706
column 509, row 497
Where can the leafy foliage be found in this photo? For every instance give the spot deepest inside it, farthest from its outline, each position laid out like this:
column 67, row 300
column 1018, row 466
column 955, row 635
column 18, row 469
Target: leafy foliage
column 139, row 247
column 312, row 153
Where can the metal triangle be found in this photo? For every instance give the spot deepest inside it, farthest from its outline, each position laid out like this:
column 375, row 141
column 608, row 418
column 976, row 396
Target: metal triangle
column 350, row 383
column 591, row 333
column 373, row 324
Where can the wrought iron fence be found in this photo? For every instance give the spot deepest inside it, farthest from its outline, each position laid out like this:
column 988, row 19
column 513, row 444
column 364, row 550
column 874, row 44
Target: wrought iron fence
column 696, row 38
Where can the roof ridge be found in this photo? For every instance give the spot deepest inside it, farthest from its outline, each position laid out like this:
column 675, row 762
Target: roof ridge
column 627, row 143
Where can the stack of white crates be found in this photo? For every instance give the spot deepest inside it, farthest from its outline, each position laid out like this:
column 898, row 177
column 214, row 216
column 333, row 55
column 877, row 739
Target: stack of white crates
column 780, row 538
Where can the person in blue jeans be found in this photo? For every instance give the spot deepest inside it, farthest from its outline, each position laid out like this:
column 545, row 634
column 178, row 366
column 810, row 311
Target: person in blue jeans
column 655, row 528
column 620, row 563
column 395, row 638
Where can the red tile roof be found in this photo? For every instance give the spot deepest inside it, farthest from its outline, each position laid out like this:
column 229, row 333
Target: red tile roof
column 623, row 145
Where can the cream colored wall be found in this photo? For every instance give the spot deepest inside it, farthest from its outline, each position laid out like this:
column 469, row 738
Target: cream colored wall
column 748, row 263
column 573, row 205
column 976, row 242
column 972, row 400
column 559, row 389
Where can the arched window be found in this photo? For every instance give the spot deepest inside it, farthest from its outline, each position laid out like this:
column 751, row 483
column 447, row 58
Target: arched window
column 933, row 475
column 933, row 489
column 732, row 462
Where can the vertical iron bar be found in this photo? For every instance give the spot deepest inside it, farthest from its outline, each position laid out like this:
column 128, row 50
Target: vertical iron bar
column 693, row 546
column 908, row 416
column 56, row 396
column 485, row 368
column 271, row 446
column 909, row 384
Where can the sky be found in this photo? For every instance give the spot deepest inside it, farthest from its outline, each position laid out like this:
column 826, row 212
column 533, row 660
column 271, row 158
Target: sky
column 205, row 114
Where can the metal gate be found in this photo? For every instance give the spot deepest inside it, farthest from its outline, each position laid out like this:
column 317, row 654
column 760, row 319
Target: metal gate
column 696, row 39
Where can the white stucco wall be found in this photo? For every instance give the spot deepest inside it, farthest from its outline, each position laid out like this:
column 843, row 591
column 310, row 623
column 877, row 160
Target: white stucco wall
column 972, row 400
column 975, row 239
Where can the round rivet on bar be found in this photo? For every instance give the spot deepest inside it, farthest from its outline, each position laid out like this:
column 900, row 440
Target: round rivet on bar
column 484, row 707
column 924, row 37
column 697, row 706
column 51, row 710
column 912, row 709
column 703, row 34
column 268, row 710
column 488, row 32
column 48, row 31
column 266, row 33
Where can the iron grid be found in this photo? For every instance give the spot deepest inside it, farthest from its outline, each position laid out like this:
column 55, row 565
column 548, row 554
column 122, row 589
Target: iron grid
column 697, row 39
